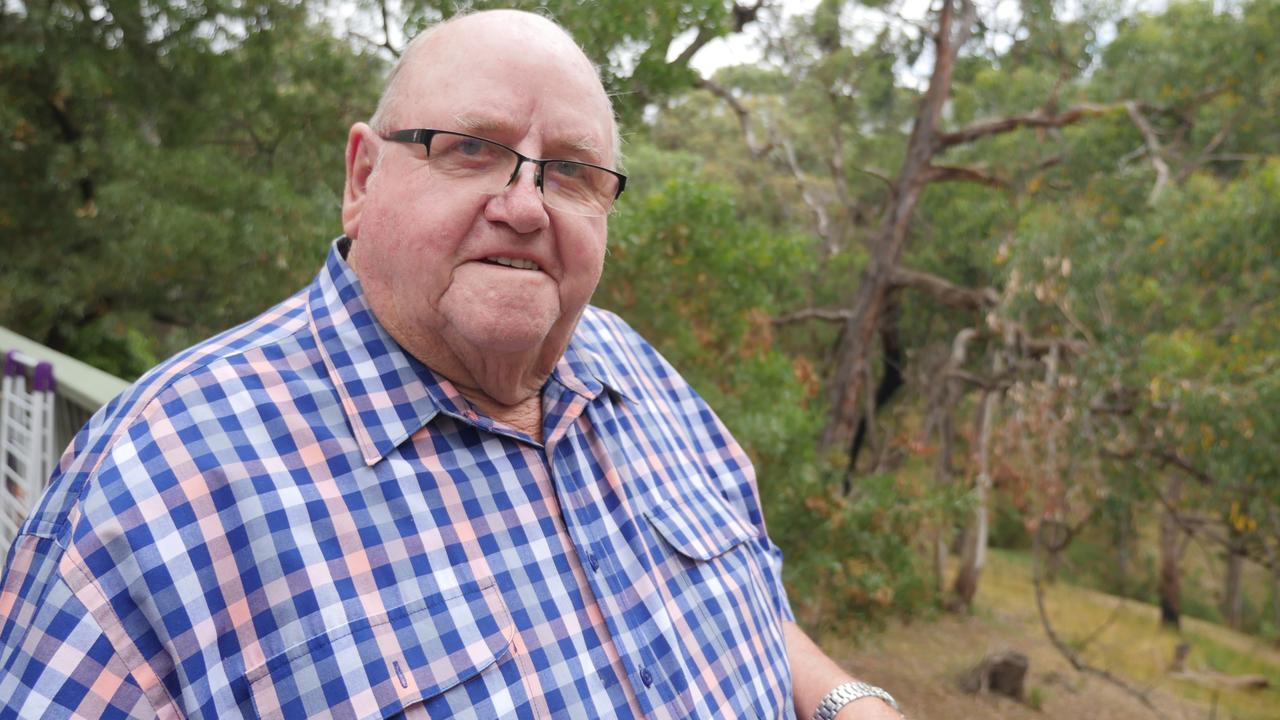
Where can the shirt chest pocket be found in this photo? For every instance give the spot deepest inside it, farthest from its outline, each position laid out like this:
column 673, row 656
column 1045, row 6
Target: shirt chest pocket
column 711, row 564
column 375, row 667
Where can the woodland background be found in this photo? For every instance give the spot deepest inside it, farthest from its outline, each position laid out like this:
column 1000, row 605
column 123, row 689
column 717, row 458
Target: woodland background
column 987, row 289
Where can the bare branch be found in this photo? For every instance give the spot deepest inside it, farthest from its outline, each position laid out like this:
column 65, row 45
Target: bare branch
column 1067, row 313
column 744, row 116
column 838, row 178
column 944, row 291
column 704, row 36
column 1070, row 655
column 829, row 315
column 947, row 173
column 744, row 15
column 879, row 175
column 994, row 383
column 1209, row 149
column 1199, row 527
column 1038, row 119
column 822, row 221
column 1154, row 151
column 386, row 29
column 1175, row 459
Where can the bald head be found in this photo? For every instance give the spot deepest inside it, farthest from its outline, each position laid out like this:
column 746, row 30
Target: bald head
column 463, row 35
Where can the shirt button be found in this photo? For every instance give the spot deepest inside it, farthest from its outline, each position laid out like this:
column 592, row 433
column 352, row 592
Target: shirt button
column 646, row 677
column 595, row 562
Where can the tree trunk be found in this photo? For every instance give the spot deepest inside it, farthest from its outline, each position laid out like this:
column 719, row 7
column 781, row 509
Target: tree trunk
column 1053, row 564
column 974, row 556
column 944, row 394
column 975, row 538
column 1170, row 572
column 887, row 244
column 1123, row 537
column 891, row 381
column 1275, row 594
column 1274, row 562
column 1232, row 589
column 1052, row 475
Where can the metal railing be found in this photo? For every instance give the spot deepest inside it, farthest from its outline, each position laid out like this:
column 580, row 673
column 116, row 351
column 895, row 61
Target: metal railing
column 80, row 390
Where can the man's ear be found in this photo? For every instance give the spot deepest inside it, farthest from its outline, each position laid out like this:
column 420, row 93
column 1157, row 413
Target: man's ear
column 362, row 156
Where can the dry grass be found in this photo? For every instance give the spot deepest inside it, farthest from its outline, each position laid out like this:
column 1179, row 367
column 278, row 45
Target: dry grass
column 921, row 661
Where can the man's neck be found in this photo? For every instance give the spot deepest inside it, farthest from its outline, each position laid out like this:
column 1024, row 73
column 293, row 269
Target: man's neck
column 525, row 416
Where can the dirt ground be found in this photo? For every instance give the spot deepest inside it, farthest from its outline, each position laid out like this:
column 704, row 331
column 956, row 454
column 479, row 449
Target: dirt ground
column 923, row 661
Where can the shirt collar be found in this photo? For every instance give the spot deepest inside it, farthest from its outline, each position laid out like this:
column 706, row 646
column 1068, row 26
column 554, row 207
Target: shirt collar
column 388, row 394
column 585, row 371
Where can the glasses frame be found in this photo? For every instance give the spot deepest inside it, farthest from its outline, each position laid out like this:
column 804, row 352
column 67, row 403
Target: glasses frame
column 423, row 136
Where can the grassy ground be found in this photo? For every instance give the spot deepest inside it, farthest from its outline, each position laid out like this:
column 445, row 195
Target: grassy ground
column 921, row 661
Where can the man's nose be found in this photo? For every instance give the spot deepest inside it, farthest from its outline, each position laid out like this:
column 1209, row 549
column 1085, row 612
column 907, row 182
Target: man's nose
column 520, row 204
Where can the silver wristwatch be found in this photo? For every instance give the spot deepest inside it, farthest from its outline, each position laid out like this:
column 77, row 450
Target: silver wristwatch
column 844, row 694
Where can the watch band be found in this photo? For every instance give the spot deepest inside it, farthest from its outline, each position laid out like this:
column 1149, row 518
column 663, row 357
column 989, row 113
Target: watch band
column 848, row 692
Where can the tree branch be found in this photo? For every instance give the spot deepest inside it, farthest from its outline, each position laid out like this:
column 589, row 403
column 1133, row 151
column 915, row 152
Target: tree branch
column 1209, row 149
column 1175, row 459
column 1154, row 151
column 386, row 30
column 948, row 173
column 704, row 36
column 1039, row 119
column 829, row 315
column 944, row 291
column 744, row 116
column 1070, row 655
column 743, row 15
column 822, row 221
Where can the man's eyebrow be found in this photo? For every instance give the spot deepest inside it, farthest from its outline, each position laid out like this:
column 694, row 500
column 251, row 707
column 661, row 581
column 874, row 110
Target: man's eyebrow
column 484, row 123
column 584, row 146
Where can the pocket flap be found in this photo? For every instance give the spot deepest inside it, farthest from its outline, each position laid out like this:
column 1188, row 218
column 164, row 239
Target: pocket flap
column 699, row 523
column 376, row 666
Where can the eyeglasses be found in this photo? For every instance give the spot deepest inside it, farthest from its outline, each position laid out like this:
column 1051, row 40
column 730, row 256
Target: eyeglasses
column 488, row 167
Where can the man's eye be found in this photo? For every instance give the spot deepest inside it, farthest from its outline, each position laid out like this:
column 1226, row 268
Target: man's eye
column 470, row 147
column 566, row 170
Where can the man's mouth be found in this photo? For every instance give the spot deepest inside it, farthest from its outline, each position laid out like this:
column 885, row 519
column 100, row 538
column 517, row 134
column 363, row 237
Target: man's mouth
column 518, row 263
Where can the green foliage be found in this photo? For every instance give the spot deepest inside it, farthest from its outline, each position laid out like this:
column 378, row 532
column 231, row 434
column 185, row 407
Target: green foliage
column 850, row 562
column 169, row 169
column 630, row 42
column 702, row 283
column 180, row 195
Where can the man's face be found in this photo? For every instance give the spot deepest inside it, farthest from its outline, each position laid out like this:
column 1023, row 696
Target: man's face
column 426, row 250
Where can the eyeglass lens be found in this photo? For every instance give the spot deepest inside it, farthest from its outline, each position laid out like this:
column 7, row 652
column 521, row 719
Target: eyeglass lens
column 486, row 167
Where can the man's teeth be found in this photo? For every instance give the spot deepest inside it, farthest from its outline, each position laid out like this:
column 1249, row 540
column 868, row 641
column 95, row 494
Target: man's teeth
column 513, row 262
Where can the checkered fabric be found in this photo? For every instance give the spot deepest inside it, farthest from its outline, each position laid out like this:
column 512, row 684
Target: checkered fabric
column 297, row 519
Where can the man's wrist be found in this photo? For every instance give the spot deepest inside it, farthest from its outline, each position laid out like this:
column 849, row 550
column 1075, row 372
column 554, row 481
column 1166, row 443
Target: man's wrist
column 847, row 693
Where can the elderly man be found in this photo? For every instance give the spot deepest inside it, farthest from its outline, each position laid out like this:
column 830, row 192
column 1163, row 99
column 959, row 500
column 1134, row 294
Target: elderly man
column 434, row 483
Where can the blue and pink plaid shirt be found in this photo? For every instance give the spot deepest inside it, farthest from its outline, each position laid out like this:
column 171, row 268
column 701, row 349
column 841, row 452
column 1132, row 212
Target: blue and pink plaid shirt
column 298, row 519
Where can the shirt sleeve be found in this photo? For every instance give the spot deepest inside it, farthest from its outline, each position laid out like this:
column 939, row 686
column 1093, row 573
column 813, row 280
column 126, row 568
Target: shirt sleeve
column 55, row 661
